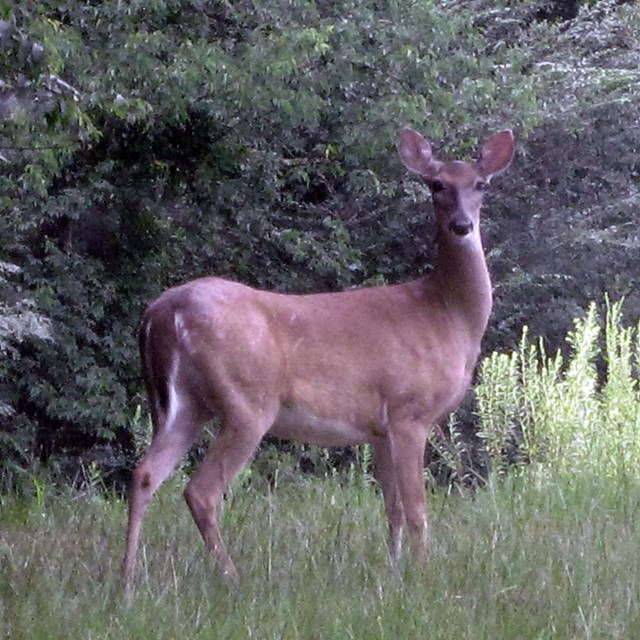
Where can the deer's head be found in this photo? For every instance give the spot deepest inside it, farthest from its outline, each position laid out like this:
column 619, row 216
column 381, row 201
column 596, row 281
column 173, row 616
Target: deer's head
column 457, row 187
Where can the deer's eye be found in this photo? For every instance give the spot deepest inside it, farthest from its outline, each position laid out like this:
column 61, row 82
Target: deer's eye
column 437, row 186
column 480, row 185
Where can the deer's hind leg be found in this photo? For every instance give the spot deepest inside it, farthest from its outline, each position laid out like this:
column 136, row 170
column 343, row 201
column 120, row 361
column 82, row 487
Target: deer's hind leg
column 240, row 434
column 175, row 431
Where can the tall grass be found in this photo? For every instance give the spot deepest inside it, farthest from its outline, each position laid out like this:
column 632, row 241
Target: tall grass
column 518, row 559
column 571, row 414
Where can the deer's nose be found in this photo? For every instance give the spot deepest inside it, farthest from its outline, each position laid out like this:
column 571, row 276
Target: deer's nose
column 461, row 226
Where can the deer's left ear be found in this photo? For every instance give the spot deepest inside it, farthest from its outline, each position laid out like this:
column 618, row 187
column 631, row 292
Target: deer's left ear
column 497, row 153
column 415, row 153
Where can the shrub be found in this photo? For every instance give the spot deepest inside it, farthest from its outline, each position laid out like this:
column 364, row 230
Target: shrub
column 578, row 413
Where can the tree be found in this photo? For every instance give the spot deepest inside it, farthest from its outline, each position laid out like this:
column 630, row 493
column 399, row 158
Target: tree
column 144, row 143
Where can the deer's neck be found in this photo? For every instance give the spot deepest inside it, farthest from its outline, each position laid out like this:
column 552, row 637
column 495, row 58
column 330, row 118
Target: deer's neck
column 462, row 277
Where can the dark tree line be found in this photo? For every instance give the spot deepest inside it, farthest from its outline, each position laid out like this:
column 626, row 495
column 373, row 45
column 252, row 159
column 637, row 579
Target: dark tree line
column 145, row 143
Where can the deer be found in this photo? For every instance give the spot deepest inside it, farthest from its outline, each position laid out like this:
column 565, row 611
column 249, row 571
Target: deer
column 380, row 365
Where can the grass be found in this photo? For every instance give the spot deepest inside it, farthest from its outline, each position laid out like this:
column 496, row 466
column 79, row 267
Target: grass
column 525, row 558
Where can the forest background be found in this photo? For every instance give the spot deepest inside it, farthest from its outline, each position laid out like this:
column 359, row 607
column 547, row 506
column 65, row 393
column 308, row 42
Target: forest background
column 145, row 143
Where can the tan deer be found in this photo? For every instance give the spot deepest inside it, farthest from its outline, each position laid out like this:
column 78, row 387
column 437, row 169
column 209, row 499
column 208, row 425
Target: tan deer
column 377, row 365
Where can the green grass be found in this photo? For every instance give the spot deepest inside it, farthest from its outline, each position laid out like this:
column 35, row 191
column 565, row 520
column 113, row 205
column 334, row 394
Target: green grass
column 525, row 558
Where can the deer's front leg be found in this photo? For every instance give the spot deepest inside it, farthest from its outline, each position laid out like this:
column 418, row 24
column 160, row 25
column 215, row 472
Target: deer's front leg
column 408, row 443
column 385, row 474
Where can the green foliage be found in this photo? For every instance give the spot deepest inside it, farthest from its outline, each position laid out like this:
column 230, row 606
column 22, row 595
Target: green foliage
column 561, row 413
column 150, row 142
column 145, row 143
column 567, row 222
column 19, row 322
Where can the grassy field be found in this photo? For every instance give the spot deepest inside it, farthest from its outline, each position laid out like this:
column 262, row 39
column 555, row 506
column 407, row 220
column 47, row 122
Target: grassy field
column 525, row 558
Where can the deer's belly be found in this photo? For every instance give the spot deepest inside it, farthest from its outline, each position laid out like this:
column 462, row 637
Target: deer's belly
column 304, row 426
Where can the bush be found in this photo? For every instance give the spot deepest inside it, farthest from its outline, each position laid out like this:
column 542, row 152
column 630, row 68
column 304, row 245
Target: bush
column 569, row 415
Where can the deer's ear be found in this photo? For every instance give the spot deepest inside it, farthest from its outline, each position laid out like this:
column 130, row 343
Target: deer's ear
column 415, row 153
column 497, row 153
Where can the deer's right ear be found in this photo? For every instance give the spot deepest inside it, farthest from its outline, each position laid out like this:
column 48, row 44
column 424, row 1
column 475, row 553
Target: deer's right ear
column 415, row 153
